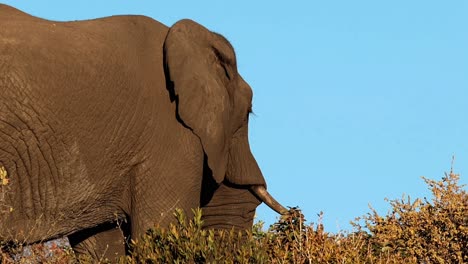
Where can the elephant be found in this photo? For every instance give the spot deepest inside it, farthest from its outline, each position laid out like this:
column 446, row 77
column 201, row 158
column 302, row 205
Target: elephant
column 108, row 125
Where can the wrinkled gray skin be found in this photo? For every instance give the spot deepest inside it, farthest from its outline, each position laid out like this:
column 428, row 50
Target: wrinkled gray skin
column 120, row 118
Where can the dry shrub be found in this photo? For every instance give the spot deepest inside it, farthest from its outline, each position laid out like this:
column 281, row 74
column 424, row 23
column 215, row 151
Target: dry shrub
column 291, row 241
column 425, row 231
column 186, row 242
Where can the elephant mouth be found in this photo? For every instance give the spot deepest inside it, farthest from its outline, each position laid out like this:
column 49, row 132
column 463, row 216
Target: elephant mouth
column 261, row 192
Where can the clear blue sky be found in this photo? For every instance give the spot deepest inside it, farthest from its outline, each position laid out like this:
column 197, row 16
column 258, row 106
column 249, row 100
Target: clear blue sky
column 354, row 100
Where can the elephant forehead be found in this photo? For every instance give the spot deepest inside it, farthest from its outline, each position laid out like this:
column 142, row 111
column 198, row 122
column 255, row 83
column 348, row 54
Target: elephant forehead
column 245, row 89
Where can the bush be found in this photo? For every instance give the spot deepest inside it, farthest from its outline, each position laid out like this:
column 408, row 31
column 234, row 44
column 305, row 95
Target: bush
column 186, row 242
column 419, row 231
column 424, row 231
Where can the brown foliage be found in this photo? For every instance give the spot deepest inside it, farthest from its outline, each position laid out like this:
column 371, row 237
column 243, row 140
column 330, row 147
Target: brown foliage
column 425, row 231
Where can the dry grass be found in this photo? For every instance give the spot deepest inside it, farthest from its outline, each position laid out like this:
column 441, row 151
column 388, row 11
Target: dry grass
column 419, row 231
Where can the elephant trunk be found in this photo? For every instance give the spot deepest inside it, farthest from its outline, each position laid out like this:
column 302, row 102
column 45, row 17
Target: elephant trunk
column 261, row 192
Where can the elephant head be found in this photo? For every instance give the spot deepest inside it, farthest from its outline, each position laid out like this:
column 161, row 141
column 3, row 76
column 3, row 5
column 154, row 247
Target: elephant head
column 214, row 101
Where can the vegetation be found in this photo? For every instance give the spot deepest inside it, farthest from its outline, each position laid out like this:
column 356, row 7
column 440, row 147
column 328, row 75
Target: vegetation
column 419, row 231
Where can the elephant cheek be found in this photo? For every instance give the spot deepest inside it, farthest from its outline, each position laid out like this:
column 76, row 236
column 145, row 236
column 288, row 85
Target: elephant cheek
column 242, row 167
column 230, row 207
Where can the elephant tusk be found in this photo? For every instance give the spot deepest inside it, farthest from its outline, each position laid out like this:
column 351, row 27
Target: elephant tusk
column 265, row 197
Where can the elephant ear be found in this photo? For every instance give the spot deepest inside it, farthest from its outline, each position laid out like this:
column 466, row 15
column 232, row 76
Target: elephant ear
column 193, row 58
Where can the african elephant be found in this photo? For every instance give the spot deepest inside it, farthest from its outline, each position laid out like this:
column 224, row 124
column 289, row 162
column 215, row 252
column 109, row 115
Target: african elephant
column 120, row 118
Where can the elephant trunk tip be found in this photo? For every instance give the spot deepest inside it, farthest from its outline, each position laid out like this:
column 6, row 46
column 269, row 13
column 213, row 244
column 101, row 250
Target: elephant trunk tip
column 261, row 192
